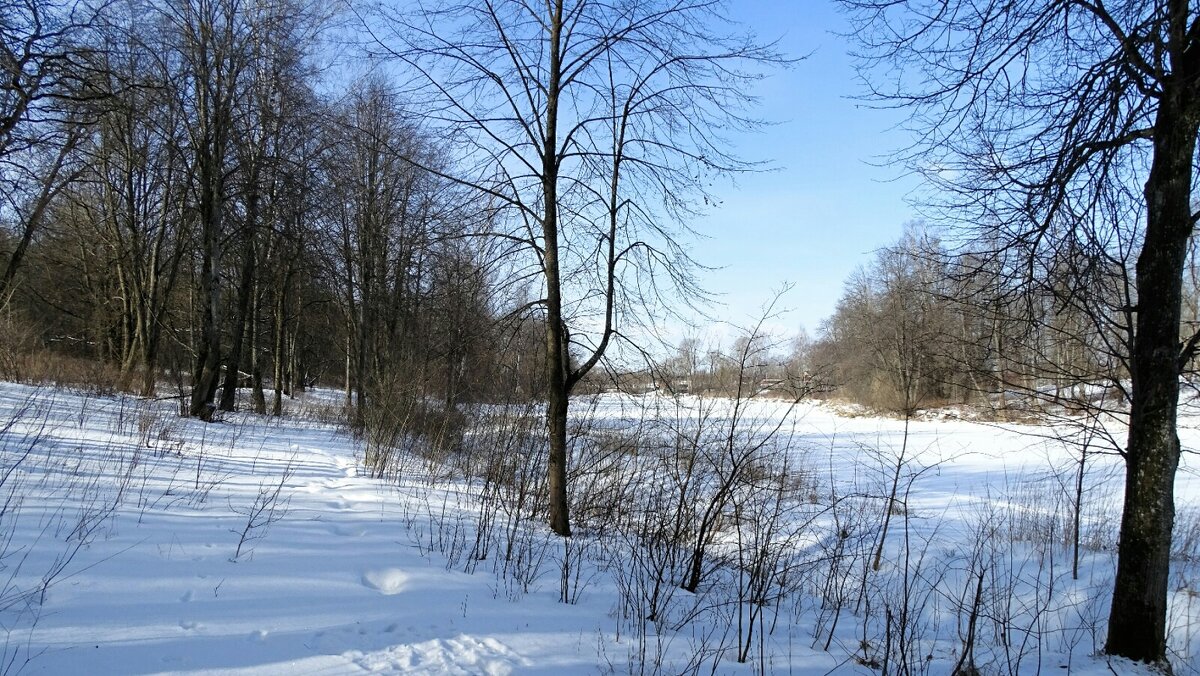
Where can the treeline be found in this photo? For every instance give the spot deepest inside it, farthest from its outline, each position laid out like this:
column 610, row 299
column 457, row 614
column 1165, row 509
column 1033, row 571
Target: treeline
column 197, row 192
column 926, row 324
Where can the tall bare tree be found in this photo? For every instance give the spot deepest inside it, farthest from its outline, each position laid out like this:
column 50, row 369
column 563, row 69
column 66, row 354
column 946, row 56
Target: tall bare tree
column 274, row 106
column 213, row 39
column 594, row 126
column 133, row 192
column 1032, row 117
column 379, row 215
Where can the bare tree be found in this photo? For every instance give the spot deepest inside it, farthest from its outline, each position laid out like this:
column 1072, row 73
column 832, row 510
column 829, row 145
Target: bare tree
column 887, row 339
column 274, row 107
column 212, row 39
column 45, row 62
column 1032, row 117
column 379, row 219
column 132, row 198
column 577, row 119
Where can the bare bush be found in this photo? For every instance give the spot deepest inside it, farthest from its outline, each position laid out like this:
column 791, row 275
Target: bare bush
column 269, row 506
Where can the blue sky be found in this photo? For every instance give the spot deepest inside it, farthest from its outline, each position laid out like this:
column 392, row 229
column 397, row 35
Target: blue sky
column 828, row 206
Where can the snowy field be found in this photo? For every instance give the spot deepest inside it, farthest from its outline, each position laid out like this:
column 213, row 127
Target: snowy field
column 133, row 542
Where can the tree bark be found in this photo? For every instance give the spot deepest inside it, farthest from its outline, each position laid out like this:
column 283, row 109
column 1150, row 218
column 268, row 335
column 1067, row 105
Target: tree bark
column 1137, row 623
column 257, row 398
column 557, row 352
column 245, row 290
column 208, row 362
column 279, row 344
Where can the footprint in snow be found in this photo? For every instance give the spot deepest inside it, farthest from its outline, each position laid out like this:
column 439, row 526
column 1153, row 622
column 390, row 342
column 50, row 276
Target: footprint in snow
column 387, row 581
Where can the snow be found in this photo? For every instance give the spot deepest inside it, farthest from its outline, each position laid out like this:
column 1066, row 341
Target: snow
column 388, row 581
column 341, row 573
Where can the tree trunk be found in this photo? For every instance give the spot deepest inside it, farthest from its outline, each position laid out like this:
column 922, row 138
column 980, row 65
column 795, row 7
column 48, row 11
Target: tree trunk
column 295, row 379
column 208, row 366
column 556, row 478
column 161, row 285
column 1137, row 623
column 257, row 398
column 360, row 360
column 52, row 183
column 245, row 290
column 348, row 399
column 279, row 346
column 557, row 353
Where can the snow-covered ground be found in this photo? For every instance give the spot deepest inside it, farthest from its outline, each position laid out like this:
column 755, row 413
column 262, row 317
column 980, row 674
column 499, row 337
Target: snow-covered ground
column 133, row 541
